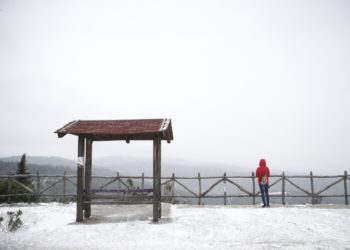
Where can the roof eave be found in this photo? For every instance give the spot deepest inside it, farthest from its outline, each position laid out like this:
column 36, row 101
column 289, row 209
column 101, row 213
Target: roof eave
column 60, row 134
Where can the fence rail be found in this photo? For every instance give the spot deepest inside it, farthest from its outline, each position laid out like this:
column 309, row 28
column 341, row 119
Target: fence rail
column 175, row 187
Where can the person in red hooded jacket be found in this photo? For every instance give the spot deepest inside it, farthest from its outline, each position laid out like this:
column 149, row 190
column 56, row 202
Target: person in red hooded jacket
column 263, row 174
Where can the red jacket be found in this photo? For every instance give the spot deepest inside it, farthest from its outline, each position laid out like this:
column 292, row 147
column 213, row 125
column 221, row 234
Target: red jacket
column 262, row 170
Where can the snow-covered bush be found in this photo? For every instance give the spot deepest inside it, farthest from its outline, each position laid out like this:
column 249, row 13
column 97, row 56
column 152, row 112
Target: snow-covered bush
column 13, row 222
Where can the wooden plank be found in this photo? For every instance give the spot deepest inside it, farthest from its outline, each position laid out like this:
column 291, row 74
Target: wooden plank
column 166, row 182
column 274, row 183
column 123, row 183
column 110, row 182
column 113, row 197
column 211, row 187
column 117, row 202
column 329, row 186
column 239, row 187
column 49, row 187
column 133, row 190
column 23, row 186
column 186, row 188
column 295, row 185
column 71, row 182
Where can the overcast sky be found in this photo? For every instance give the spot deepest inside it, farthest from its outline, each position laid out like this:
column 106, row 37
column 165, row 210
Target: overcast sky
column 241, row 80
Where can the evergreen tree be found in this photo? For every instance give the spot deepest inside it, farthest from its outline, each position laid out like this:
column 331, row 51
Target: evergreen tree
column 21, row 169
column 12, row 187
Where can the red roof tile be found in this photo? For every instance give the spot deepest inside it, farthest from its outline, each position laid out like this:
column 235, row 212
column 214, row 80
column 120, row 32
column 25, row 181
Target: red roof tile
column 145, row 129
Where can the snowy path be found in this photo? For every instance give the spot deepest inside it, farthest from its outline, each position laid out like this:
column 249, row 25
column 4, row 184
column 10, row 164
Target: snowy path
column 52, row 226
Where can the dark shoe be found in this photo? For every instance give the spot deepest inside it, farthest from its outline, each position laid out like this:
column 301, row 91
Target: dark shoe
column 264, row 206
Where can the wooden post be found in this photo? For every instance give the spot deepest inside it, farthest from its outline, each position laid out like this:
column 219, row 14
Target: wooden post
column 159, row 160
column 346, row 188
column 173, row 188
column 283, row 189
column 312, row 188
column 88, row 164
column 156, row 179
column 143, row 181
column 253, row 181
column 9, row 188
column 38, row 184
column 64, row 186
column 155, row 183
column 225, row 189
column 199, row 189
column 118, row 183
column 80, row 179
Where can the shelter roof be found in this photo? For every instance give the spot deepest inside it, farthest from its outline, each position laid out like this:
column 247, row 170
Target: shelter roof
column 104, row 130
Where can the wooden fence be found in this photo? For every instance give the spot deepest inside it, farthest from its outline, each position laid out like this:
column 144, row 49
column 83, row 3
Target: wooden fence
column 176, row 188
column 38, row 189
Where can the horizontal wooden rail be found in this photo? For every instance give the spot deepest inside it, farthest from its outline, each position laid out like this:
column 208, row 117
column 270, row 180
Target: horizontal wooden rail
column 178, row 187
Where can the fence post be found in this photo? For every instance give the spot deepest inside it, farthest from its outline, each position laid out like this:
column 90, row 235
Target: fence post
column 283, row 189
column 38, row 184
column 346, row 188
column 225, row 189
column 173, row 188
column 64, row 187
column 9, row 189
column 199, row 189
column 312, row 188
column 253, row 181
column 143, row 181
column 118, row 181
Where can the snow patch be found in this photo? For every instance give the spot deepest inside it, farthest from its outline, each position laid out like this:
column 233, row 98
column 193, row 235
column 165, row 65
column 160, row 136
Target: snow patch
column 53, row 226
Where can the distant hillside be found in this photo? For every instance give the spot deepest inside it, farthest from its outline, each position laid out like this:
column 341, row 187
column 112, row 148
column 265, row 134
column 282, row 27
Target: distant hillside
column 136, row 165
column 7, row 167
column 45, row 166
column 125, row 165
column 42, row 160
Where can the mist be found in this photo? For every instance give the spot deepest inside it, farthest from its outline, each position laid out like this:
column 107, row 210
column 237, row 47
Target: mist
column 241, row 80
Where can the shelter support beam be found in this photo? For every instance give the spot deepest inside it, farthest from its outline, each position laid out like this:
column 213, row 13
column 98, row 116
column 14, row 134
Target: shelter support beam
column 156, row 179
column 88, row 164
column 80, row 178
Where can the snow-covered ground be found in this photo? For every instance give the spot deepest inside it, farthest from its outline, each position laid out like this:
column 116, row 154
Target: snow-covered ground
column 52, row 226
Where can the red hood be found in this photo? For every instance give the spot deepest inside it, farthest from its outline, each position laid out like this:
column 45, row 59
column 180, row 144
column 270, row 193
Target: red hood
column 262, row 163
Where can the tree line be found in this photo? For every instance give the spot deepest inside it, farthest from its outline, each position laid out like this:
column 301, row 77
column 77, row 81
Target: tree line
column 8, row 186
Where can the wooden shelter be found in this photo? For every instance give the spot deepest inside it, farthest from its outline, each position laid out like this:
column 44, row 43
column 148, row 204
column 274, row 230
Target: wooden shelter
column 89, row 131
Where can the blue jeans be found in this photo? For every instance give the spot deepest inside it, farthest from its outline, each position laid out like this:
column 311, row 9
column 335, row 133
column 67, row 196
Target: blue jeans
column 264, row 189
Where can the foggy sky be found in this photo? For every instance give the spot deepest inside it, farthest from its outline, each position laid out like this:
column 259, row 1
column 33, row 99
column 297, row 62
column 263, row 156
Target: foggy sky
column 241, row 80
